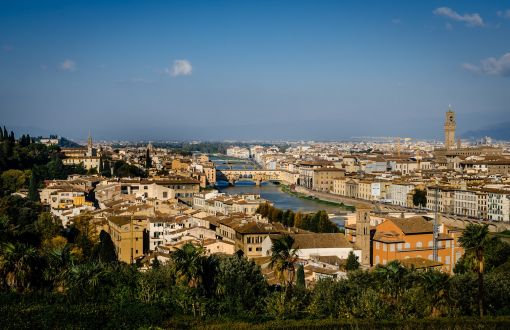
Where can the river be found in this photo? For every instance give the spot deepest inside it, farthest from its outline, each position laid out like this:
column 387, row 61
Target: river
column 282, row 200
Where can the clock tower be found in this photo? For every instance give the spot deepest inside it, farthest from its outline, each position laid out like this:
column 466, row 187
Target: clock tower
column 449, row 129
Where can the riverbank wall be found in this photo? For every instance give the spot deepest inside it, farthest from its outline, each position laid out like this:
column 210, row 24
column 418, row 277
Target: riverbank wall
column 332, row 198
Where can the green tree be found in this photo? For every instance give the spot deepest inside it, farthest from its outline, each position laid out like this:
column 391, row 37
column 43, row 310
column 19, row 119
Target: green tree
column 420, row 198
column 188, row 263
column 436, row 286
column 241, row 287
column 473, row 240
column 156, row 263
column 18, row 263
column 106, row 171
column 300, row 277
column 107, row 252
column 47, row 226
column 148, row 160
column 59, row 260
column 14, row 180
column 391, row 279
column 21, row 214
column 352, row 262
column 283, row 258
column 298, row 220
column 33, row 188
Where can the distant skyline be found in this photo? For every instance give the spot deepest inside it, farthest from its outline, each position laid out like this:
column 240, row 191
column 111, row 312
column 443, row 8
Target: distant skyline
column 216, row 70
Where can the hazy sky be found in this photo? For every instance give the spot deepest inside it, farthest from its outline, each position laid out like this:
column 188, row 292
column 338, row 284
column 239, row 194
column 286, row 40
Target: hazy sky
column 253, row 69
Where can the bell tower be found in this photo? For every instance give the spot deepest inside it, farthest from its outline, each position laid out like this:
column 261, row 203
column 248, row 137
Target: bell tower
column 363, row 238
column 449, row 129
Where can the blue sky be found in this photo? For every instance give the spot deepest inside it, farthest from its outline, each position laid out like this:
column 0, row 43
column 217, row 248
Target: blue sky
column 320, row 70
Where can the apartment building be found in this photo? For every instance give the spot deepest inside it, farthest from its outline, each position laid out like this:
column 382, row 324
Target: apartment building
column 498, row 204
column 323, row 178
column 130, row 237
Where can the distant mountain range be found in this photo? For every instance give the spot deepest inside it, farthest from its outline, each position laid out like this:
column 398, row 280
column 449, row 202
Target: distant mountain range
column 499, row 131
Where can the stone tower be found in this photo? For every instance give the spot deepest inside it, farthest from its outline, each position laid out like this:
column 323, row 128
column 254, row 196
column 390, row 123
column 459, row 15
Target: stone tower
column 90, row 147
column 449, row 129
column 89, row 141
column 363, row 239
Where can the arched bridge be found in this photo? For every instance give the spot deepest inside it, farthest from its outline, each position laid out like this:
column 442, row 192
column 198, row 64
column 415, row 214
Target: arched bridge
column 257, row 176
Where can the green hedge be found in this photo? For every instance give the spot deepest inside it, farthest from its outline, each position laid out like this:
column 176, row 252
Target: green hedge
column 83, row 316
column 428, row 324
column 136, row 316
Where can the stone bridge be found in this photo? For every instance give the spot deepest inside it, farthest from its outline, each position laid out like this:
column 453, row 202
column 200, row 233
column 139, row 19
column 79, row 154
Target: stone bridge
column 257, row 176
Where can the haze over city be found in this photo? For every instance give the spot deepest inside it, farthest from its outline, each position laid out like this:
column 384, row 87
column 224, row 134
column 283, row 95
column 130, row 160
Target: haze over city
column 253, row 70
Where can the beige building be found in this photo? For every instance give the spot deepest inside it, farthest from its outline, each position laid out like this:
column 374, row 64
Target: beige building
column 129, row 235
column 339, row 186
column 323, row 178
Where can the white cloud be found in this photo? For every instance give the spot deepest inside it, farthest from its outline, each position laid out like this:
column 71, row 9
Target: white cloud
column 491, row 66
column 504, row 13
column 68, row 65
column 469, row 19
column 180, row 68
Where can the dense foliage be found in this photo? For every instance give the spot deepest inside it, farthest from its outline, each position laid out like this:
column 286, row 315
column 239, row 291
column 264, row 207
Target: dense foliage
column 318, row 222
column 420, row 197
column 25, row 164
column 55, row 274
column 122, row 169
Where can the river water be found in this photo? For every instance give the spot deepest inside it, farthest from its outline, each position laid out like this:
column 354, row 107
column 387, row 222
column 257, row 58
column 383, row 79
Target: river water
column 272, row 192
column 282, row 200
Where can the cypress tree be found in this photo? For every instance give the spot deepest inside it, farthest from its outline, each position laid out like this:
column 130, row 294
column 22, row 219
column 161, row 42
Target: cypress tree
column 155, row 263
column 148, row 160
column 107, row 251
column 33, row 191
column 300, row 277
column 107, row 171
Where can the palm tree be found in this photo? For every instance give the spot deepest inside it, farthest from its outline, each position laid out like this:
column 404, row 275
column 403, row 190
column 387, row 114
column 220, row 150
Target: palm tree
column 473, row 240
column 392, row 278
column 59, row 260
column 87, row 280
column 283, row 258
column 436, row 284
column 17, row 264
column 188, row 263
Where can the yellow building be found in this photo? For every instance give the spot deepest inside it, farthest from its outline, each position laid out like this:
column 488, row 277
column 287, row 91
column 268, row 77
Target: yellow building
column 129, row 235
column 324, row 177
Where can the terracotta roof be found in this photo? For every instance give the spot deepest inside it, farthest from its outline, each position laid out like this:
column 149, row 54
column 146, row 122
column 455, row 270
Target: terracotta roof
column 419, row 263
column 319, row 241
column 254, row 227
column 414, row 225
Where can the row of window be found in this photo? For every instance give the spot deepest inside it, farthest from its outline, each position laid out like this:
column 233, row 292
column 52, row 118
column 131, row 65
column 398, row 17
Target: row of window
column 407, row 245
column 447, row 259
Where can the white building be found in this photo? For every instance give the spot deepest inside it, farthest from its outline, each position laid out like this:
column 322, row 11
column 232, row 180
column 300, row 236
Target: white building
column 313, row 245
column 398, row 193
column 498, row 205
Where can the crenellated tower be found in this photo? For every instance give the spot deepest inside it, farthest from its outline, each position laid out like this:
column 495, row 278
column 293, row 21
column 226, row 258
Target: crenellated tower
column 449, row 129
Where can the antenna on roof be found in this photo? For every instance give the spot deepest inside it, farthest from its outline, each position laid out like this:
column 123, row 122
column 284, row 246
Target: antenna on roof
column 434, row 239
